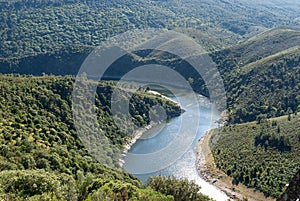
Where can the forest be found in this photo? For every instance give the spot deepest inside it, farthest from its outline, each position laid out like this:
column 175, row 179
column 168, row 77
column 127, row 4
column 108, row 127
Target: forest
column 42, row 157
column 263, row 154
column 30, row 28
column 254, row 44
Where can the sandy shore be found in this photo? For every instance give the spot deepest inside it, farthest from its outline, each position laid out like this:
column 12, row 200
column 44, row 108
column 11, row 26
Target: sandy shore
column 203, row 152
column 213, row 175
column 165, row 97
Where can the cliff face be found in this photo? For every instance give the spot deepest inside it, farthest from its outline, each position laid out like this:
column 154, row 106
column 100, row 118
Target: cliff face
column 292, row 192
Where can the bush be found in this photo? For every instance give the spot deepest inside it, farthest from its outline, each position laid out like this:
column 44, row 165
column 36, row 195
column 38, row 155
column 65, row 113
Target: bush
column 179, row 189
column 37, row 185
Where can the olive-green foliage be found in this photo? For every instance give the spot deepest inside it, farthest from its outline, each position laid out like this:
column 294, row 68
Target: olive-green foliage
column 37, row 27
column 48, row 28
column 259, row 155
column 56, row 36
column 37, row 129
column 268, row 139
column 253, row 72
column 179, row 189
column 35, row 184
column 39, row 185
column 122, row 191
column 261, row 75
column 41, row 155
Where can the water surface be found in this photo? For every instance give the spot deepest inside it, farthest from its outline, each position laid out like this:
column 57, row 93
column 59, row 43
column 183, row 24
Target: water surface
column 158, row 142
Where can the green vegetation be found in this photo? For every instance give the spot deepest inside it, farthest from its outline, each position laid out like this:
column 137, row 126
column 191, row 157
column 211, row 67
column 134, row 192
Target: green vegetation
column 38, row 185
column 51, row 32
column 252, row 72
column 56, row 36
column 179, row 189
column 261, row 75
column 41, row 108
column 41, row 156
column 264, row 155
column 38, row 27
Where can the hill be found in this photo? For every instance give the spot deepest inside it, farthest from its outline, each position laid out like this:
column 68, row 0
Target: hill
column 42, row 156
column 39, row 145
column 263, row 155
column 252, row 70
column 54, row 32
column 261, row 45
column 261, row 75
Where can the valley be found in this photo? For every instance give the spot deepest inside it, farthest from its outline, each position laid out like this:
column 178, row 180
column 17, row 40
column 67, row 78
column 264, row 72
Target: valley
column 56, row 144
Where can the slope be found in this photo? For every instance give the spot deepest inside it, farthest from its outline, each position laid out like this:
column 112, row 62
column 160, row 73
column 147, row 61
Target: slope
column 263, row 155
column 47, row 28
column 41, row 155
column 261, row 75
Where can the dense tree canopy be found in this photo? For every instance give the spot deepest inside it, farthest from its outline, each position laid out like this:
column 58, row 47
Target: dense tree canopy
column 264, row 156
column 41, row 155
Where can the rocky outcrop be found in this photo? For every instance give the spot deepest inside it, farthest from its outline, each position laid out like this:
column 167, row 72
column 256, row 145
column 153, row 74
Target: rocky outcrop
column 292, row 192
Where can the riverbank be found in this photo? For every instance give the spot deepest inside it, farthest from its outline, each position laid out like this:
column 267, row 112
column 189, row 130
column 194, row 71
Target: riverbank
column 163, row 96
column 141, row 131
column 210, row 173
column 137, row 136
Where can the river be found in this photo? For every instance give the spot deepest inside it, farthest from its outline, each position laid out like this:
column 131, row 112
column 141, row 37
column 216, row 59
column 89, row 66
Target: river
column 199, row 117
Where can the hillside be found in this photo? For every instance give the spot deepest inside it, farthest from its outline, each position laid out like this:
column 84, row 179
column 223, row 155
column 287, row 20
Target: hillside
column 260, row 46
column 255, row 45
column 261, row 75
column 54, row 32
column 263, row 155
column 41, row 155
column 54, row 37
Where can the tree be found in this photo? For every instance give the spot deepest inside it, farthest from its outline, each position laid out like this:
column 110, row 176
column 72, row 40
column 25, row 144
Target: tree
column 180, row 189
